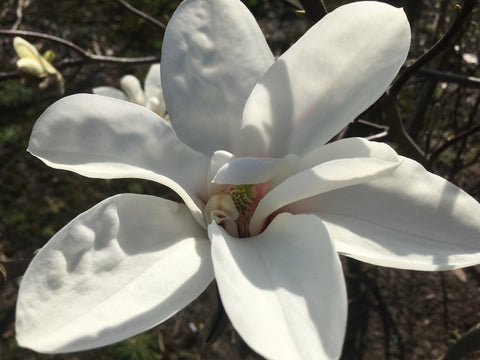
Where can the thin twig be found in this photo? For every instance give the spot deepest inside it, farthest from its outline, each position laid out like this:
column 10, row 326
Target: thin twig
column 468, row 81
column 380, row 135
column 460, row 136
column 439, row 46
column 387, row 319
column 314, row 9
column 455, row 139
column 85, row 56
column 19, row 13
column 83, row 53
column 408, row 147
column 53, row 38
column 141, row 14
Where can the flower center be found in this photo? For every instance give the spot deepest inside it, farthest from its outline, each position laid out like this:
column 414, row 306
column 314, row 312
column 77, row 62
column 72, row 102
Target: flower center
column 234, row 206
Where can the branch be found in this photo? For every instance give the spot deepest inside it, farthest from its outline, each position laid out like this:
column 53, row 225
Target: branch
column 314, row 9
column 470, row 81
column 86, row 55
column 218, row 323
column 408, row 147
column 439, row 46
column 141, row 14
column 455, row 139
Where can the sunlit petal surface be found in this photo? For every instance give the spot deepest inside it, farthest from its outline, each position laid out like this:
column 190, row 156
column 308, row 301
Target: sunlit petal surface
column 154, row 91
column 348, row 148
column 118, row 269
column 110, row 91
column 283, row 290
column 324, row 177
column 409, row 219
column 329, row 76
column 245, row 170
column 213, row 54
column 102, row 137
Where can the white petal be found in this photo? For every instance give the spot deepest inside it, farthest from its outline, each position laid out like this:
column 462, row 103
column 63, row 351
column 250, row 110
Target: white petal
column 408, row 219
column 213, row 54
column 218, row 159
column 341, row 66
column 283, row 290
column 110, row 91
column 118, row 269
column 154, row 92
column 247, row 170
column 102, row 137
column 348, row 148
column 321, row 178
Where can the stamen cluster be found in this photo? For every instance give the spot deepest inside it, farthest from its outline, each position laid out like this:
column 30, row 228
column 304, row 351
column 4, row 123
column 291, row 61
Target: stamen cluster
column 234, row 206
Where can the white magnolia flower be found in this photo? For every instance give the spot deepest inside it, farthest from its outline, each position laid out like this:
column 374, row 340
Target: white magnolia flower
column 30, row 62
column 152, row 97
column 266, row 203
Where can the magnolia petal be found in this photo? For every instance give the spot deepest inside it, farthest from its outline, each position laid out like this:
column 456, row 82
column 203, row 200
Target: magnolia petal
column 118, row 269
column 342, row 65
column 154, row 92
column 247, row 170
column 327, row 176
column 409, row 219
column 153, row 82
column 284, row 289
column 213, row 54
column 218, row 159
column 102, row 137
column 349, row 148
column 110, row 91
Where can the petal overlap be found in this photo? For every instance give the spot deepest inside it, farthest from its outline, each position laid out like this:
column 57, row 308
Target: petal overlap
column 120, row 268
column 109, row 138
column 408, row 218
column 283, row 290
column 327, row 78
column 324, row 177
column 213, row 54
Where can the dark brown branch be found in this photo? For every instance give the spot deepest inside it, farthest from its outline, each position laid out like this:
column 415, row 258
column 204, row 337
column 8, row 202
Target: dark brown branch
column 449, row 77
column 462, row 135
column 53, row 38
column 83, row 53
column 141, row 14
column 218, row 323
column 314, row 9
column 408, row 147
column 387, row 319
column 455, row 139
column 439, row 46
